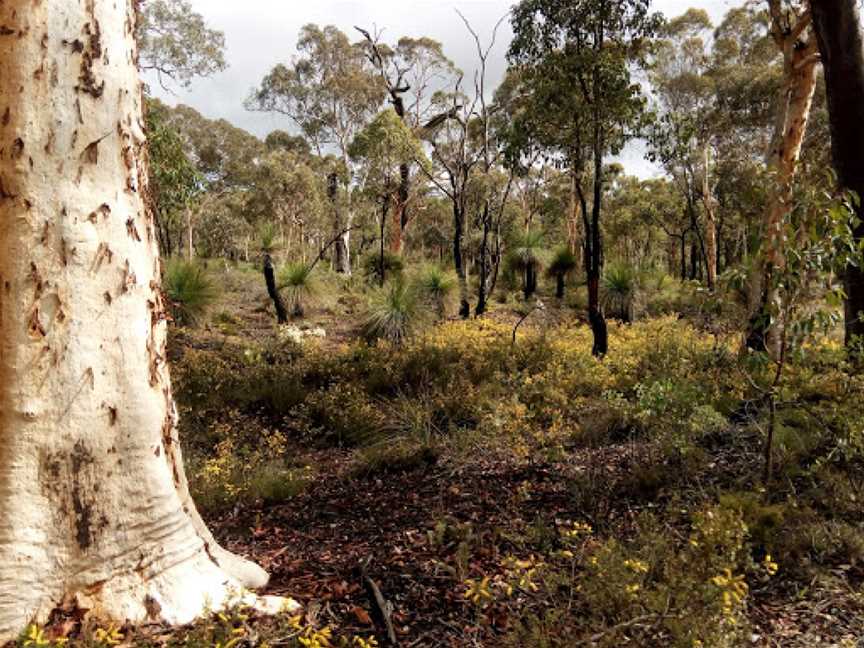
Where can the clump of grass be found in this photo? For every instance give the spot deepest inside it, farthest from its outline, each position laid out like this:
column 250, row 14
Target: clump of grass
column 395, row 313
column 190, row 291
column 272, row 483
column 438, row 287
column 268, row 235
column 620, row 285
column 299, row 283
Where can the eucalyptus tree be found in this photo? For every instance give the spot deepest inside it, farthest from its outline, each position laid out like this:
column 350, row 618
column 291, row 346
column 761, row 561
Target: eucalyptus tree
column 683, row 137
column 330, row 91
column 465, row 153
column 225, row 155
column 94, row 502
column 280, row 140
column 174, row 180
column 576, row 59
column 409, row 70
column 289, row 191
column 384, row 148
column 790, row 29
column 176, row 43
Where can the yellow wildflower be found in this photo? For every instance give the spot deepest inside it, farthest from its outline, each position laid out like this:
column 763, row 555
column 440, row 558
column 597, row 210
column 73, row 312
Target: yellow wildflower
column 478, row 593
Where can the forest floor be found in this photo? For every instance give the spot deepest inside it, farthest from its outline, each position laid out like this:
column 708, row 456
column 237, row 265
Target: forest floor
column 427, row 528
column 312, row 547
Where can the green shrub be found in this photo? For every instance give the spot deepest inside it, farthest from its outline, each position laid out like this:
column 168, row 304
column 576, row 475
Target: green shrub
column 273, row 483
column 190, row 291
column 394, row 265
column 620, row 285
column 438, row 287
column 298, row 281
column 395, row 313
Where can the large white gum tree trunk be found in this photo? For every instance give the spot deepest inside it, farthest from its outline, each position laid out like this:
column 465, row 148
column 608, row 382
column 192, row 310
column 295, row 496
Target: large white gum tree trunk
column 93, row 498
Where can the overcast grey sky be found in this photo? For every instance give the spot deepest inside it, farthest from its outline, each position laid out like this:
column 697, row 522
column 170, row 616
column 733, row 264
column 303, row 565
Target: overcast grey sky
column 260, row 33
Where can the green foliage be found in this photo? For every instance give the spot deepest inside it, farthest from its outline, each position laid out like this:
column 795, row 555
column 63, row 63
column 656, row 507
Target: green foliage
column 174, row 180
column 329, row 108
column 438, row 287
column 268, row 237
column 575, row 60
column 394, row 265
column 563, row 262
column 175, row 42
column 620, row 287
column 189, row 289
column 395, row 313
column 528, row 251
column 384, row 145
column 298, row 280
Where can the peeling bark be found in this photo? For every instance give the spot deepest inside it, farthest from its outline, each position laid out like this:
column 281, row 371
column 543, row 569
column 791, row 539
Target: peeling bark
column 800, row 62
column 94, row 505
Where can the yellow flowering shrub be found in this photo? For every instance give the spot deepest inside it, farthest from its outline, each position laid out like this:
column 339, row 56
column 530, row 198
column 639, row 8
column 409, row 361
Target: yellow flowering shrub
column 690, row 593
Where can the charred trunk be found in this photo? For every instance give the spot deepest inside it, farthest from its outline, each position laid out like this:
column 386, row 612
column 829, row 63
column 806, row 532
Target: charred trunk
column 459, row 261
column 273, row 291
column 838, row 31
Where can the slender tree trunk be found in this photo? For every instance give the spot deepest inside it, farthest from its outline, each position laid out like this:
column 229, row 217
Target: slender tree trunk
column 710, row 222
column 795, row 101
column 596, row 317
column 381, row 258
column 838, row 30
column 484, row 264
column 459, row 261
column 559, row 285
column 270, row 281
column 574, row 237
column 341, row 249
column 684, row 256
column 190, row 246
column 94, row 503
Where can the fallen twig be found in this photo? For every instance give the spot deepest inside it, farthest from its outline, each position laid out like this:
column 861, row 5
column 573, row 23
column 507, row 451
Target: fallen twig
column 382, row 606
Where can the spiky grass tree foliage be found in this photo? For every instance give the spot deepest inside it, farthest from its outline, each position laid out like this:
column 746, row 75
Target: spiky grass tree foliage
column 268, row 238
column 620, row 286
column 190, row 290
column 528, row 256
column 395, row 313
column 562, row 264
column 437, row 287
column 298, row 282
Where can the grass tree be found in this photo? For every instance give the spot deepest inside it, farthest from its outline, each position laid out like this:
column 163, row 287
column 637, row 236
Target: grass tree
column 298, row 281
column 395, row 313
column 528, row 256
column 94, row 502
column 562, row 264
column 620, row 286
column 189, row 290
column 268, row 234
column 438, row 287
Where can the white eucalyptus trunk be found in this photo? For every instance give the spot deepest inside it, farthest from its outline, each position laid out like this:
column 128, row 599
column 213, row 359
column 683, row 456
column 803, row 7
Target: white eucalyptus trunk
column 94, row 503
